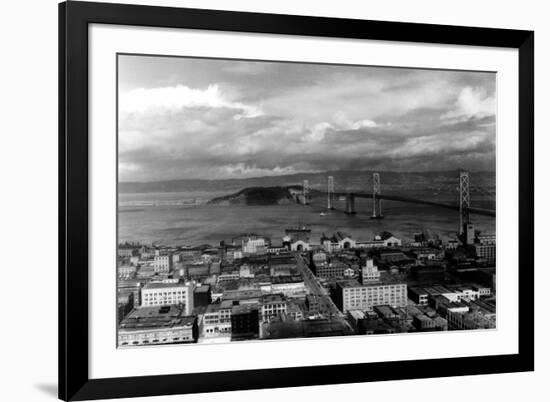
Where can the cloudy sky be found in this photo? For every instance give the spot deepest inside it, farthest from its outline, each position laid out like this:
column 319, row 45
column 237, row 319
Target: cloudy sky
column 205, row 118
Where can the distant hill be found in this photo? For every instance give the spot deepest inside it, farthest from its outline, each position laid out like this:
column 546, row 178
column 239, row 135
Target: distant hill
column 350, row 180
column 256, row 196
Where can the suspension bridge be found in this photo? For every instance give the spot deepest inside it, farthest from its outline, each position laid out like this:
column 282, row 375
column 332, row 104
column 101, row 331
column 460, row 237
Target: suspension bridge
column 462, row 188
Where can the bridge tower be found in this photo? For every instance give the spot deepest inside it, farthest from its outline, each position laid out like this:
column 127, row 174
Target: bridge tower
column 464, row 200
column 330, row 193
column 376, row 197
column 305, row 192
column 350, row 204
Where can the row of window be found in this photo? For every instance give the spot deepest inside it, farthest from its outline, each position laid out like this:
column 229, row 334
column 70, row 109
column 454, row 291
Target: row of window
column 153, row 341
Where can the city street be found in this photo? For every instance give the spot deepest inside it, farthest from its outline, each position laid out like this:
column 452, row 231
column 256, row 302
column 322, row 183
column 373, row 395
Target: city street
column 327, row 305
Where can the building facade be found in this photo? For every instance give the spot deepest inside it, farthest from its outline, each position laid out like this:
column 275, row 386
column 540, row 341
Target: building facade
column 354, row 296
column 163, row 294
column 163, row 263
column 487, row 251
column 157, row 325
column 271, row 306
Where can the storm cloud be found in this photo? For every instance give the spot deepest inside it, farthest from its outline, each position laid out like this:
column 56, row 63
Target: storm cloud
column 210, row 118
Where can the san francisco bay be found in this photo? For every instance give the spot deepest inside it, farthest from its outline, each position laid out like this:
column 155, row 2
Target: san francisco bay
column 184, row 218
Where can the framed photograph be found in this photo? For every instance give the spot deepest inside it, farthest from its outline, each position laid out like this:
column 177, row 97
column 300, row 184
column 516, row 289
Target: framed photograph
column 258, row 200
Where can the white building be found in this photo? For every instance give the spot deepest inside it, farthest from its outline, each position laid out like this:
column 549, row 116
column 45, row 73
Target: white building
column 245, row 271
column 483, row 290
column 126, row 271
column 288, row 287
column 319, row 257
column 212, row 325
column 229, row 276
column 452, row 244
column 338, row 241
column 370, row 272
column 388, row 239
column 165, row 294
column 163, row 263
column 370, row 244
column 299, row 245
column 355, row 296
column 272, row 306
column 469, row 293
column 254, row 245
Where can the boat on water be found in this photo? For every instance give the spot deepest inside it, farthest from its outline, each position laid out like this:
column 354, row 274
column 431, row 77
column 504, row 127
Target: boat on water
column 322, row 214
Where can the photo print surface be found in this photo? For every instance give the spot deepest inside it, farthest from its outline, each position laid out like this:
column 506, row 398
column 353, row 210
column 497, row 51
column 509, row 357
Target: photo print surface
column 263, row 200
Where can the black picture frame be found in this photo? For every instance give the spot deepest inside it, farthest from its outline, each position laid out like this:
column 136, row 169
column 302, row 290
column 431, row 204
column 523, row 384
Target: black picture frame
column 74, row 18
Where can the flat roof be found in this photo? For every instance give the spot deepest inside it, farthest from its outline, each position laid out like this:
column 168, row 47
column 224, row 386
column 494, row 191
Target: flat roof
column 384, row 309
column 273, row 298
column 202, row 289
column 156, row 317
column 357, row 314
column 212, row 308
column 287, row 279
column 243, row 308
column 418, row 290
column 225, row 304
column 161, row 285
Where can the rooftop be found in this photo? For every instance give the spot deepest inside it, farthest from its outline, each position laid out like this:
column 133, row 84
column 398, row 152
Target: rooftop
column 273, row 298
column 202, row 289
column 212, row 308
column 162, row 285
column 225, row 304
column 243, row 309
column 286, row 279
column 385, row 235
column 156, row 317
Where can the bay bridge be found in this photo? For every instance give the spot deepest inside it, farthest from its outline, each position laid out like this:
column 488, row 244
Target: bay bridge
column 461, row 187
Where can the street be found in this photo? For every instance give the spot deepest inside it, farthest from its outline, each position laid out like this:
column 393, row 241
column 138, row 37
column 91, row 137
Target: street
column 327, row 305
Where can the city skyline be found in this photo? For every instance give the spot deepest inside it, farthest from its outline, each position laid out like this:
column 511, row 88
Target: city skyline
column 311, row 235
column 210, row 118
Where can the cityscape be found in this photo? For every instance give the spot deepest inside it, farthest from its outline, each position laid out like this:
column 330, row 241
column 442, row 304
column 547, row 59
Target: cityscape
column 229, row 232
column 253, row 287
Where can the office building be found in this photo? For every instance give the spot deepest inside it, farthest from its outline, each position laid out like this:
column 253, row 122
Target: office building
column 370, row 273
column 351, row 295
column 273, row 305
column 163, row 294
column 157, row 325
column 245, row 323
column 213, row 325
column 163, row 263
column 376, row 290
column 202, row 296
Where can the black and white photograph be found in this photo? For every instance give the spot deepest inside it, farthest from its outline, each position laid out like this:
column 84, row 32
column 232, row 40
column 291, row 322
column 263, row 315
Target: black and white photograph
column 262, row 200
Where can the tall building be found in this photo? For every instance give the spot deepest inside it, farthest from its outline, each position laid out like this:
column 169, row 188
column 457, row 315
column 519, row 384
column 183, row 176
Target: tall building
column 164, row 294
column 469, row 233
column 202, row 296
column 254, row 245
column 370, row 272
column 163, row 263
column 384, row 290
column 486, row 247
column 245, row 323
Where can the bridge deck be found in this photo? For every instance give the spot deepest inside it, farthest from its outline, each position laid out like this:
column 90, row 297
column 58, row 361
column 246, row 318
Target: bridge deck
column 478, row 211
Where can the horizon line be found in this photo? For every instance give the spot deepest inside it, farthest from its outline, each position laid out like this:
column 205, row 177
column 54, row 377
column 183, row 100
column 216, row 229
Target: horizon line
column 317, row 172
